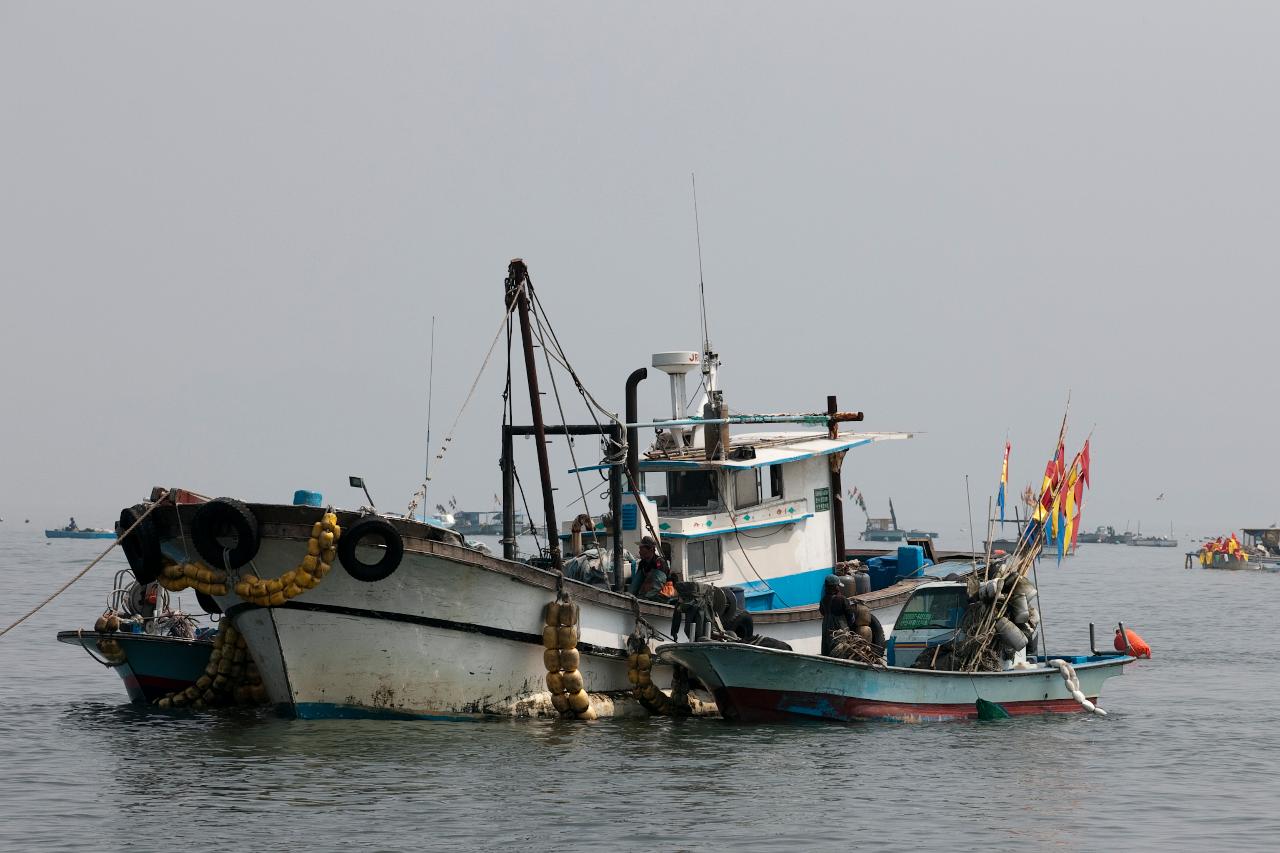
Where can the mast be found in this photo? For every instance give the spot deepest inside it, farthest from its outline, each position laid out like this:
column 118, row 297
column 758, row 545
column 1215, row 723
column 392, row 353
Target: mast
column 837, row 491
column 517, row 275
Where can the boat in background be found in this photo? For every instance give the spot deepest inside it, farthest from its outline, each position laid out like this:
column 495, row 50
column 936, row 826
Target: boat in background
column 886, row 529
column 74, row 531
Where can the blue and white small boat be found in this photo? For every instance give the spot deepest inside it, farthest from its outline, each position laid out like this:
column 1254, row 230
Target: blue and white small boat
column 74, row 531
column 754, row 684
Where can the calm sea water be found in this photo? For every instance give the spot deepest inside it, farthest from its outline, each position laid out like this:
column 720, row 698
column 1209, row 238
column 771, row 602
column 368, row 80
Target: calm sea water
column 1189, row 758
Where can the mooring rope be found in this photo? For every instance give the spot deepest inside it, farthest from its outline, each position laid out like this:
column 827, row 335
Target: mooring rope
column 86, row 569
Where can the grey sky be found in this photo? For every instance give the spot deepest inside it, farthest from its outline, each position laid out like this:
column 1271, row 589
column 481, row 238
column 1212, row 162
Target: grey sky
column 226, row 227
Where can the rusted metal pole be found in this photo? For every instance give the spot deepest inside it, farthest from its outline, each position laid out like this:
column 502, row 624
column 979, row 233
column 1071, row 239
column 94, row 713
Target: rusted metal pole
column 517, row 274
column 837, row 493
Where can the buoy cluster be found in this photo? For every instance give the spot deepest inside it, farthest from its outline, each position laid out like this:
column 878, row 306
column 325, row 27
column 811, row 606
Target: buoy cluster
column 179, row 576
column 1073, row 684
column 640, row 674
column 321, row 552
column 108, row 623
column 230, row 677
column 560, row 638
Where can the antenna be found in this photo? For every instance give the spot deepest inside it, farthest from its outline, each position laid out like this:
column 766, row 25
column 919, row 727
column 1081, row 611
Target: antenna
column 708, row 357
column 431, row 375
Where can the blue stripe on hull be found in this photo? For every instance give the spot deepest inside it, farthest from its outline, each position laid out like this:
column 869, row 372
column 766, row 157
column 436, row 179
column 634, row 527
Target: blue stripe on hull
column 335, row 711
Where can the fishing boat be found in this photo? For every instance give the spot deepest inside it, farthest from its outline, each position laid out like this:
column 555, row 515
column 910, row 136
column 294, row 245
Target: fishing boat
column 73, row 531
column 1263, row 547
column 155, row 649
column 752, row 684
column 1153, row 542
column 887, row 530
column 959, row 649
column 414, row 623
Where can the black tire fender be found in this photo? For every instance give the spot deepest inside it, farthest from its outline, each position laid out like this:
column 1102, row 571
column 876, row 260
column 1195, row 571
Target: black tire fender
column 142, row 546
column 374, row 528
column 218, row 520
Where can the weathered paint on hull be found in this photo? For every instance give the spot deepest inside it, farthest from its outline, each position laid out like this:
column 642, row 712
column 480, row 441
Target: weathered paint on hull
column 752, row 705
column 752, row 684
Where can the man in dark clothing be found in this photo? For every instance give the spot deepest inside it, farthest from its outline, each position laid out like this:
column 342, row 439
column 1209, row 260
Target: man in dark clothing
column 836, row 612
column 651, row 573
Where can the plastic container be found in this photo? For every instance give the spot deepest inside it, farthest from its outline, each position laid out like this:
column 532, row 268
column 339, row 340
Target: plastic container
column 862, row 582
column 302, row 497
column 883, row 571
column 911, row 561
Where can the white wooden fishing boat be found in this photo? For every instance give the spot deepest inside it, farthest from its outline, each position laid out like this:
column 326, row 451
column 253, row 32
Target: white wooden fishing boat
column 413, row 622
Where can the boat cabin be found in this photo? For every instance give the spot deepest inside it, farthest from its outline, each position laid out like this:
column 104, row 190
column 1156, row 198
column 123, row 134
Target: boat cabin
column 755, row 512
column 930, row 618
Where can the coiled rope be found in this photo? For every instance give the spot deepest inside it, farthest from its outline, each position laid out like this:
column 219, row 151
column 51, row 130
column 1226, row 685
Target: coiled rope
column 86, row 569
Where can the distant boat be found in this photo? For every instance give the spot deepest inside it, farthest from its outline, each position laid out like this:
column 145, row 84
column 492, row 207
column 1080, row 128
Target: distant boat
column 74, row 531
column 1153, row 542
column 887, row 530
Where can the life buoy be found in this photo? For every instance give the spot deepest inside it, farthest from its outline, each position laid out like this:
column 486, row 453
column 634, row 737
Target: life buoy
column 380, row 531
column 142, row 546
column 225, row 533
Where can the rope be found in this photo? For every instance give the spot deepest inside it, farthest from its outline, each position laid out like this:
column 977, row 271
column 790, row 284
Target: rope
column 80, row 637
column 555, row 389
column 1073, row 685
column 86, row 569
column 421, row 493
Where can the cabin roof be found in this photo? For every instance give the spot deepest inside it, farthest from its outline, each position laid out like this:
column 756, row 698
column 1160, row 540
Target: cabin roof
column 771, row 448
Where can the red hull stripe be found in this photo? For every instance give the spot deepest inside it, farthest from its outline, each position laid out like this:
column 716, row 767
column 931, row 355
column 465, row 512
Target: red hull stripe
column 749, row 704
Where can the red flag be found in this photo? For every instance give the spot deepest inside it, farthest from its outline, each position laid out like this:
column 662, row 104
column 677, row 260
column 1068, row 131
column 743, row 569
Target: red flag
column 1084, row 463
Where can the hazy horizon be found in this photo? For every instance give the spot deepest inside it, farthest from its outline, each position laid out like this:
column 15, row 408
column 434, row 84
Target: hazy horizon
column 227, row 229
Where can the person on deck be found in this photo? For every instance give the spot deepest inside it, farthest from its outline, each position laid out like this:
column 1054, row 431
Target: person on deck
column 836, row 611
column 72, row 525
column 651, row 573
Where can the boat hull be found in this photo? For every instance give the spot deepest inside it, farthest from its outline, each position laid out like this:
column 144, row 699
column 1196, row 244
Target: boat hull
column 153, row 667
column 762, row 685
column 453, row 633
column 79, row 534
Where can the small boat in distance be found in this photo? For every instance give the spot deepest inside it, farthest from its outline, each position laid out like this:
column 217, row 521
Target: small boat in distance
column 887, row 530
column 74, row 531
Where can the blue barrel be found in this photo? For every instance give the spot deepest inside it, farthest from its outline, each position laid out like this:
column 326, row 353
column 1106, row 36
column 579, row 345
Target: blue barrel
column 910, row 561
column 883, row 571
column 302, row 497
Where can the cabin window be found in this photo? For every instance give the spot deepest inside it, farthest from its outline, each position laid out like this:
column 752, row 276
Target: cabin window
column 703, row 558
column 691, row 490
column 940, row 608
column 775, row 481
column 746, row 488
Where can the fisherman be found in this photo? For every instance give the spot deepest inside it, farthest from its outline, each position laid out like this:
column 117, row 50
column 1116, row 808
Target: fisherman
column 72, row 525
column 651, row 573
column 836, row 612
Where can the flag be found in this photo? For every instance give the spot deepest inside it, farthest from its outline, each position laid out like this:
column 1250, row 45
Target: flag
column 1079, row 501
column 1004, row 480
column 1084, row 464
column 1069, row 516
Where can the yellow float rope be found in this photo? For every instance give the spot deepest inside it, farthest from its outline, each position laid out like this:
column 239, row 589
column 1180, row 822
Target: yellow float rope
column 321, row 552
column 560, row 637
column 640, row 674
column 230, row 677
